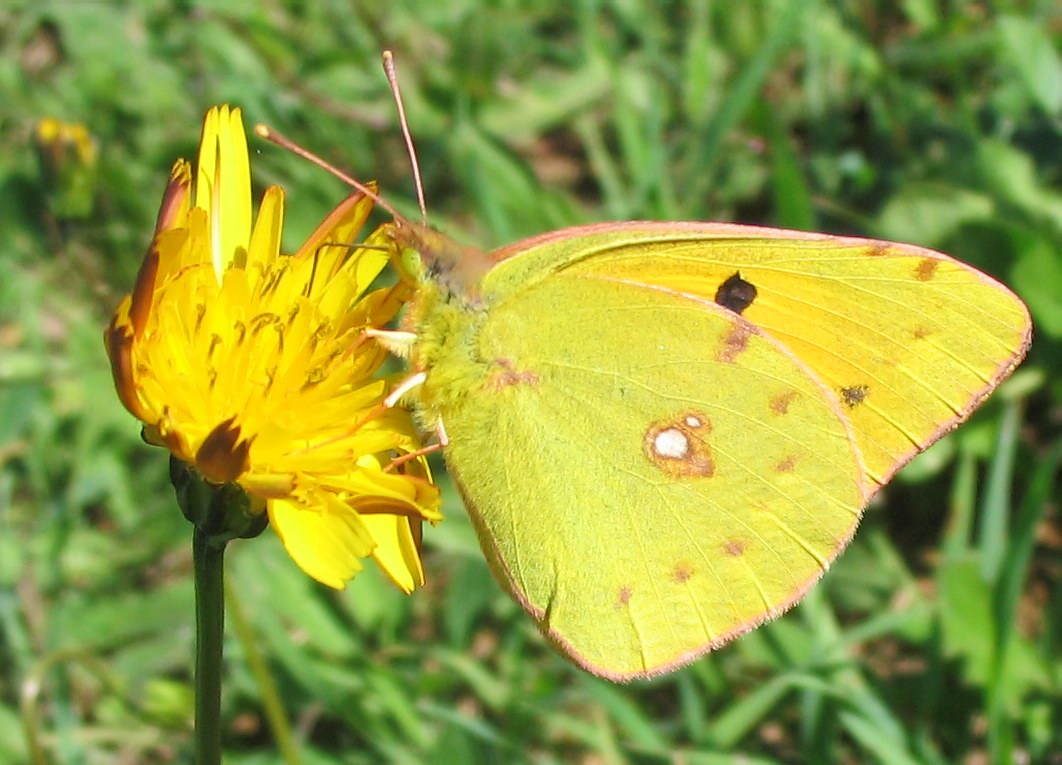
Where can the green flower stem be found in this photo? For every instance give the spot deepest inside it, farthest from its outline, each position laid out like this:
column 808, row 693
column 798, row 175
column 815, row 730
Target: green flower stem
column 219, row 513
column 208, row 555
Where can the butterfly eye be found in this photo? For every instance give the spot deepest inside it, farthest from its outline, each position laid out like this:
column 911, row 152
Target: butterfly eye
column 410, row 265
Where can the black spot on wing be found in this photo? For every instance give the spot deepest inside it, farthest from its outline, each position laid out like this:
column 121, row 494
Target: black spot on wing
column 854, row 396
column 735, row 294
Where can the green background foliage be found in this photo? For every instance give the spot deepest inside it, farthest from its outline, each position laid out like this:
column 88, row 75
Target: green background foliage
column 935, row 637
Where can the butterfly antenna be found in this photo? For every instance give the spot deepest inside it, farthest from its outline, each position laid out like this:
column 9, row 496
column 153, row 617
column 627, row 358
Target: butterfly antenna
column 267, row 133
column 392, row 79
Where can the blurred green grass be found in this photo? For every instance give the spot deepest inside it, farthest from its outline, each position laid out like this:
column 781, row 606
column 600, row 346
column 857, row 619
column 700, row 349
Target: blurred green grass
column 933, row 640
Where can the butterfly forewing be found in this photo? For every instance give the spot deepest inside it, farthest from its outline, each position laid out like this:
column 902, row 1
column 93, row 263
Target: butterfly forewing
column 908, row 340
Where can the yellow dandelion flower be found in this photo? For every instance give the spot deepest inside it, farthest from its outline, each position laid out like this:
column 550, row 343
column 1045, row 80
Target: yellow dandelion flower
column 255, row 367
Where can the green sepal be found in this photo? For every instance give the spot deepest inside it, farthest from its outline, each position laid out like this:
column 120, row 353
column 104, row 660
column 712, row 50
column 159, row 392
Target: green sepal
column 221, row 511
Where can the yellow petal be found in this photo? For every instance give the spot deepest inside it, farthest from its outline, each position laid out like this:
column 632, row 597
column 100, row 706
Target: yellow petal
column 175, row 202
column 397, row 549
column 236, row 167
column 206, row 164
column 326, row 541
column 223, row 185
column 265, row 239
column 341, row 225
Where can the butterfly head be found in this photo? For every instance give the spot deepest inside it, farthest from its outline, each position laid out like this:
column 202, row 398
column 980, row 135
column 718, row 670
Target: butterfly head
column 426, row 256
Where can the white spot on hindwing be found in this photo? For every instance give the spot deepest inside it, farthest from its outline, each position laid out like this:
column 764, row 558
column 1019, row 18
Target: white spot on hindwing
column 671, row 443
column 678, row 445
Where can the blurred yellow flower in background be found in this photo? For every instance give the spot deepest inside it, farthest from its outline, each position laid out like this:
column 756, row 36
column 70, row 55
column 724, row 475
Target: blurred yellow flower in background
column 69, row 161
column 255, row 367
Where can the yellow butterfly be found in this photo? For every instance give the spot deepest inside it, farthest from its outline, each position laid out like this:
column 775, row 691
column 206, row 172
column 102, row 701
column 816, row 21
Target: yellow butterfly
column 665, row 432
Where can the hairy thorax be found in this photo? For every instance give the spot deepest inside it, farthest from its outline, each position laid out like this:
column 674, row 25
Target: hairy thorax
column 446, row 349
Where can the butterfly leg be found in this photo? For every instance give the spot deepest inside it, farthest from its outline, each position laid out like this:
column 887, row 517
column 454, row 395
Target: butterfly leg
column 403, row 388
column 424, row 450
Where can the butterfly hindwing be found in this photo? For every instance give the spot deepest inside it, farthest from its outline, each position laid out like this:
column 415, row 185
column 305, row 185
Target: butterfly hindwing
column 649, row 473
